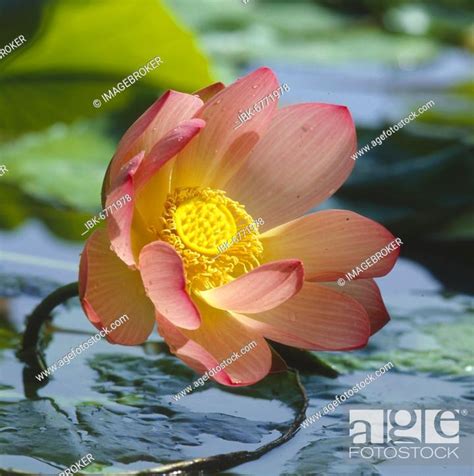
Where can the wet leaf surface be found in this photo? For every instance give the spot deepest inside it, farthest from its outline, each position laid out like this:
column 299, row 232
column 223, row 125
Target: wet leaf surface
column 118, row 405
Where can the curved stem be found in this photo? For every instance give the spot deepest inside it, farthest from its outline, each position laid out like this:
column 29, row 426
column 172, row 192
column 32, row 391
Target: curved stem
column 221, row 462
column 211, row 464
column 42, row 313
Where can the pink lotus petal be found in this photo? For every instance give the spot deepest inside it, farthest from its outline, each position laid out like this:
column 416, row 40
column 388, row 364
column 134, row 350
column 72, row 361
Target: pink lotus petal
column 331, row 243
column 317, row 318
column 145, row 179
column 259, row 290
column 220, row 335
column 163, row 277
column 120, row 211
column 190, row 352
column 302, row 160
column 201, row 163
column 173, row 142
column 368, row 294
column 108, row 290
column 170, row 109
column 278, row 165
column 210, row 91
column 233, row 159
column 153, row 178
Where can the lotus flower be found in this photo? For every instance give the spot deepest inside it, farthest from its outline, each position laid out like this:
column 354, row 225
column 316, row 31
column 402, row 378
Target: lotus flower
column 194, row 182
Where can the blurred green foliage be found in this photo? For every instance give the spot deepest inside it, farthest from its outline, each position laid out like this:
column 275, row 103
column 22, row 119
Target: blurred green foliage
column 47, row 164
column 82, row 49
column 329, row 31
column 417, row 182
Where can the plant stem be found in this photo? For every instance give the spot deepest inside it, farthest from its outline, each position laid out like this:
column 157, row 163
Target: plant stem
column 217, row 463
column 220, row 462
column 42, row 313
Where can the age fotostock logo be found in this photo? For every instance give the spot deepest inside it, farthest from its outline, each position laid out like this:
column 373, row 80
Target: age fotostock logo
column 418, row 434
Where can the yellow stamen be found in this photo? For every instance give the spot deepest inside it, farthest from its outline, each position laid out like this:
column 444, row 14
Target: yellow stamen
column 196, row 221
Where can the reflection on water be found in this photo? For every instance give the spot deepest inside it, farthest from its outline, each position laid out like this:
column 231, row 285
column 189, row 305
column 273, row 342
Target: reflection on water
column 32, row 239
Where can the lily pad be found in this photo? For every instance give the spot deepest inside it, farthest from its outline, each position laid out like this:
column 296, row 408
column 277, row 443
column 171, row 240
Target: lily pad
column 434, row 334
column 328, row 449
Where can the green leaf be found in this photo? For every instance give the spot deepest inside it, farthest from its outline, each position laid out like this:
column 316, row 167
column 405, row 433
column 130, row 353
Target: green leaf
column 66, row 163
column 304, row 361
column 83, row 49
column 135, row 419
column 18, row 207
column 433, row 335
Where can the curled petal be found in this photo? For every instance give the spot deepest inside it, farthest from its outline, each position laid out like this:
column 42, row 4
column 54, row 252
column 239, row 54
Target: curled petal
column 167, row 147
column 121, row 209
column 368, row 294
column 220, row 337
column 189, row 351
column 153, row 180
column 162, row 116
column 145, row 180
column 163, row 277
column 259, row 290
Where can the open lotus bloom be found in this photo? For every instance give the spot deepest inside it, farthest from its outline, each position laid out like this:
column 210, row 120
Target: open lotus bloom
column 195, row 182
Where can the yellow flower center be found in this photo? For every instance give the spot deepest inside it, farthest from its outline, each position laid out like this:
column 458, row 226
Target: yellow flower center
column 203, row 225
column 214, row 235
